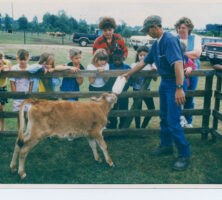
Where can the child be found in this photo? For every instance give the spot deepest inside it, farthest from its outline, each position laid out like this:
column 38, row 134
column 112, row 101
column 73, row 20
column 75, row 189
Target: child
column 122, row 103
column 72, row 84
column 5, row 65
column 46, row 64
column 21, row 84
column 137, row 84
column 100, row 63
column 189, row 67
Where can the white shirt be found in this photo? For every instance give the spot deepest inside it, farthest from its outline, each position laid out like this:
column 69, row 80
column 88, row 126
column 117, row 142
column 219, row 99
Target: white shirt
column 99, row 82
column 197, row 42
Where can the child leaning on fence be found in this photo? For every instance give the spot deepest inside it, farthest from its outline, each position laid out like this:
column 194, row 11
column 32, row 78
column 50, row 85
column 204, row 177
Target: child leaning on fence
column 99, row 62
column 5, row 65
column 122, row 103
column 186, row 121
column 45, row 64
column 72, row 84
column 137, row 84
column 21, row 84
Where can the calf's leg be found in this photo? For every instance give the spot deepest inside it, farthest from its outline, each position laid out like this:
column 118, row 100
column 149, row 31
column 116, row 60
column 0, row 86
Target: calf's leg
column 102, row 144
column 23, row 154
column 92, row 144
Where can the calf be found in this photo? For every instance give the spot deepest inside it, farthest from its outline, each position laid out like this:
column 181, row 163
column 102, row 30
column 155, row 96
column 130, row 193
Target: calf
column 64, row 119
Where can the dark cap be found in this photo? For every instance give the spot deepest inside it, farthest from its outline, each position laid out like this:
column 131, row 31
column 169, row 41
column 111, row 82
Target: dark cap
column 150, row 22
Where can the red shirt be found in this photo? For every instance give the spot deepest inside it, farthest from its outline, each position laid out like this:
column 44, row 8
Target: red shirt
column 117, row 41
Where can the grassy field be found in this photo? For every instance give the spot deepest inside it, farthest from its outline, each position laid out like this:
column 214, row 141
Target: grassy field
column 56, row 161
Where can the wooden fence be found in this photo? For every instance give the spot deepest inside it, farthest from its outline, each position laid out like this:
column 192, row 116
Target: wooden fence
column 205, row 93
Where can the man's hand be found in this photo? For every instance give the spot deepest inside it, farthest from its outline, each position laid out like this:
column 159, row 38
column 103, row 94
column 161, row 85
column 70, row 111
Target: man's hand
column 126, row 75
column 180, row 97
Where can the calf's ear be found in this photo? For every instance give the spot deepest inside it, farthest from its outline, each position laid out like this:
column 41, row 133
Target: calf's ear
column 95, row 99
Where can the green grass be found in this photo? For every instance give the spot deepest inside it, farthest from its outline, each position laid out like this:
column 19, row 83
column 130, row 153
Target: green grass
column 56, row 161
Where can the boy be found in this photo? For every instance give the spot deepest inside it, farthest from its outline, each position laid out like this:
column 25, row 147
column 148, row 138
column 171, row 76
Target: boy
column 122, row 104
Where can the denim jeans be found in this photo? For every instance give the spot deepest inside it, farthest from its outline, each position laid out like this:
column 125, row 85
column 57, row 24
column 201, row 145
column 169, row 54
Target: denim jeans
column 170, row 118
column 189, row 104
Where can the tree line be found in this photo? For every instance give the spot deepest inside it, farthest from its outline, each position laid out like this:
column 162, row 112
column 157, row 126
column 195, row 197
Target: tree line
column 58, row 23
column 63, row 23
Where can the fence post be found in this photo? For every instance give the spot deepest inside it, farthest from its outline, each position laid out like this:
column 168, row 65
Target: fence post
column 207, row 104
column 216, row 106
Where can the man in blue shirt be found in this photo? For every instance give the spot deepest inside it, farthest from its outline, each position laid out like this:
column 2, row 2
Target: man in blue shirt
column 166, row 53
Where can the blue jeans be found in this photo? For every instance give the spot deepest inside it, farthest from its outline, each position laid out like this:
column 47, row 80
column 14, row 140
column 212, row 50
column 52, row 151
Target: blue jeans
column 170, row 118
column 189, row 104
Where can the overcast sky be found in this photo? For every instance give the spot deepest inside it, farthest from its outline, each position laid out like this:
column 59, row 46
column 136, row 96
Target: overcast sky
column 133, row 12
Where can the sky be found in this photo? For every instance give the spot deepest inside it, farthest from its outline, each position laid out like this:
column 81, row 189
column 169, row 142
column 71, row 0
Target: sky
column 132, row 12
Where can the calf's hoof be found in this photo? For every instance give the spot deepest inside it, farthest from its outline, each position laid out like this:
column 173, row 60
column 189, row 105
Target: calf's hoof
column 112, row 165
column 22, row 175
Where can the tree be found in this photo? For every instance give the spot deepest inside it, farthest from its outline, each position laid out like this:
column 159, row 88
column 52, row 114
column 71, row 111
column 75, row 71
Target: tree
column 83, row 26
column 23, row 23
column 0, row 21
column 8, row 23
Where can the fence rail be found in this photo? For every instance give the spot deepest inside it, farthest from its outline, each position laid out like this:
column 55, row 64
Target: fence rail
column 205, row 112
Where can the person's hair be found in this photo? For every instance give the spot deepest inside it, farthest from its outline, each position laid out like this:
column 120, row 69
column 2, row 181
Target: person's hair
column 100, row 54
column 139, row 50
column 22, row 54
column 45, row 58
column 107, row 22
column 183, row 45
column 74, row 52
column 187, row 22
column 1, row 55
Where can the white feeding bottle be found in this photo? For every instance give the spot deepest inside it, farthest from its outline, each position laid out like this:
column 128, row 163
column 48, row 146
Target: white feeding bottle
column 119, row 85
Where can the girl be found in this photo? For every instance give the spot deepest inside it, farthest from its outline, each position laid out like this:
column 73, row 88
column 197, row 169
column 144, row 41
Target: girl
column 46, row 64
column 100, row 63
column 72, row 84
column 188, row 68
column 21, row 84
column 137, row 84
column 5, row 65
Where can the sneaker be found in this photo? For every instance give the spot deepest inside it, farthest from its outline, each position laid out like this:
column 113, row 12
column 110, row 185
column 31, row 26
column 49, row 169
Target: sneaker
column 183, row 121
column 188, row 126
column 70, row 139
column 162, row 151
column 181, row 163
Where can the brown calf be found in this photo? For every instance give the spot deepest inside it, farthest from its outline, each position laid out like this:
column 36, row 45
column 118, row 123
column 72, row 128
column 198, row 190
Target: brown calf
column 64, row 119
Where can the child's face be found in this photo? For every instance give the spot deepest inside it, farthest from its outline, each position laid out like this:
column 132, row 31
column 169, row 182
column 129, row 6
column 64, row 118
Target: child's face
column 49, row 64
column 118, row 59
column 100, row 63
column 141, row 55
column 23, row 63
column 76, row 60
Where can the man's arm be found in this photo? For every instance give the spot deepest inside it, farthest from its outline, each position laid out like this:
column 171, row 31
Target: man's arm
column 138, row 67
column 179, row 72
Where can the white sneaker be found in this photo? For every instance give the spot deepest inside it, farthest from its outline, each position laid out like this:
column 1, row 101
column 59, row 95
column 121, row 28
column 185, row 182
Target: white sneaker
column 188, row 126
column 183, row 121
column 70, row 139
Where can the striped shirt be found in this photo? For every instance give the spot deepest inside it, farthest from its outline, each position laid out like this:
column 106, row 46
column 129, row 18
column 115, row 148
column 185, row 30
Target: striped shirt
column 117, row 42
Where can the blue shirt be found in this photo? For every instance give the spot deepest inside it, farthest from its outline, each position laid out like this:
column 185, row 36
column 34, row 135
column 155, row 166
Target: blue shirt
column 70, row 84
column 165, row 53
